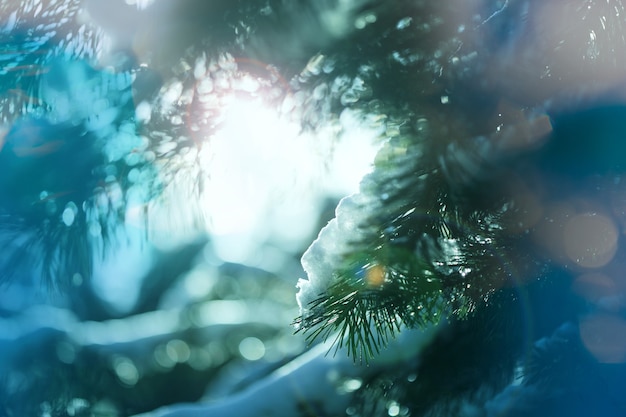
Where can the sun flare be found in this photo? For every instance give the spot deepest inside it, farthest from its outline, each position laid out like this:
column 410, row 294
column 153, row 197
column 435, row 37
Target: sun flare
column 264, row 178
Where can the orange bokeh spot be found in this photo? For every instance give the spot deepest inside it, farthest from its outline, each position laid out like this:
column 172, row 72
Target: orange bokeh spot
column 375, row 276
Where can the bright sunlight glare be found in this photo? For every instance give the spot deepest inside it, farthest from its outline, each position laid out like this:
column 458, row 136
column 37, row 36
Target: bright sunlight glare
column 255, row 157
column 264, row 181
column 267, row 179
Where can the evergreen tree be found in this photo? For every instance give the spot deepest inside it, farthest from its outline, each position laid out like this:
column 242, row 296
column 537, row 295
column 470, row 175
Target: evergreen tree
column 476, row 272
column 451, row 225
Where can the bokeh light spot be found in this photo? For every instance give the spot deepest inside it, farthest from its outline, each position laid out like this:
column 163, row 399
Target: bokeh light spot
column 126, row 370
column 375, row 276
column 604, row 335
column 590, row 240
column 351, row 385
column 77, row 407
column 178, row 351
column 252, row 348
column 200, row 359
column 162, row 358
column 594, row 285
column 393, row 409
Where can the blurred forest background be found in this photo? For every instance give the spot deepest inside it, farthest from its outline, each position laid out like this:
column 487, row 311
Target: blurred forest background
column 157, row 193
column 166, row 164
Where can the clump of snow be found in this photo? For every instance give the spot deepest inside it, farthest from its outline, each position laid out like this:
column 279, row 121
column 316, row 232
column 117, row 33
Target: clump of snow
column 324, row 256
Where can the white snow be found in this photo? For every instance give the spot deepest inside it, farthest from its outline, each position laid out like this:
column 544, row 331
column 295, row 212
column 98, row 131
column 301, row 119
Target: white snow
column 314, row 379
column 325, row 254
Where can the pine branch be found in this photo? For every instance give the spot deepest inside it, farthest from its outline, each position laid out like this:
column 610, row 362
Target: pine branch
column 366, row 306
column 67, row 183
column 437, row 218
column 425, row 236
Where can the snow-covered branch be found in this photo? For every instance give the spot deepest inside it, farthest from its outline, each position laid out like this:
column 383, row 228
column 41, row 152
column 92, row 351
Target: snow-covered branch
column 317, row 381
